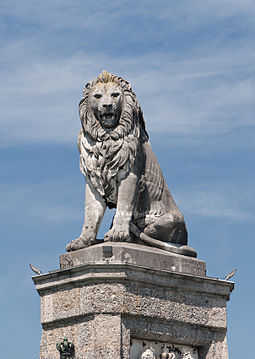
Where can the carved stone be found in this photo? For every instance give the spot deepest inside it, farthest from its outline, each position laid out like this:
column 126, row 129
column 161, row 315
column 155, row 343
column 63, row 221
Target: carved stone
column 162, row 350
column 116, row 299
column 121, row 171
column 148, row 354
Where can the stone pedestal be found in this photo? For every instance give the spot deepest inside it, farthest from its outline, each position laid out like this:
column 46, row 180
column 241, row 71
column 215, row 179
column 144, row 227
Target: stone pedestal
column 114, row 301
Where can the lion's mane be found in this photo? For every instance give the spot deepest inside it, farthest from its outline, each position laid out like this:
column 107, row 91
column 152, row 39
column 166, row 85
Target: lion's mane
column 104, row 153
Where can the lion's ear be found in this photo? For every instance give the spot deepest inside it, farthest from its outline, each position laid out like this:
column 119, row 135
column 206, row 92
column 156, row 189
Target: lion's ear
column 87, row 87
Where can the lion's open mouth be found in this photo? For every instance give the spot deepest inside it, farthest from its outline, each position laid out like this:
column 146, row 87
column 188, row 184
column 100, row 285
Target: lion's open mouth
column 108, row 120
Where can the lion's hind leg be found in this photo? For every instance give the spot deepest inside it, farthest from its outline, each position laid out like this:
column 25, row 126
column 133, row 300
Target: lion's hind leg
column 168, row 228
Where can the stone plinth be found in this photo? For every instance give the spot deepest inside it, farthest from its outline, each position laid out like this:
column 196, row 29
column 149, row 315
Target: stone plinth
column 120, row 299
column 130, row 253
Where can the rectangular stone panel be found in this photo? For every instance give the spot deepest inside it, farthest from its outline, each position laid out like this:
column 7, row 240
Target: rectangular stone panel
column 148, row 349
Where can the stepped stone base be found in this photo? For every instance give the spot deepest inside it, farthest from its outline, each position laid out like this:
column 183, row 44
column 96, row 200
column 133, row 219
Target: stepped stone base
column 115, row 301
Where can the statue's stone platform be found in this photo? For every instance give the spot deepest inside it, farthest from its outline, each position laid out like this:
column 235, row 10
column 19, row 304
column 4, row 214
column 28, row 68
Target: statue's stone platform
column 114, row 300
column 135, row 254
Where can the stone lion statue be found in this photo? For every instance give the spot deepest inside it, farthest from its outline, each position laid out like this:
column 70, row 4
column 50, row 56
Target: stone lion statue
column 122, row 172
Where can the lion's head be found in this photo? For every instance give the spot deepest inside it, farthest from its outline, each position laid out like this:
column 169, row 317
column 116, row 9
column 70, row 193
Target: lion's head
column 109, row 108
column 112, row 126
column 106, row 100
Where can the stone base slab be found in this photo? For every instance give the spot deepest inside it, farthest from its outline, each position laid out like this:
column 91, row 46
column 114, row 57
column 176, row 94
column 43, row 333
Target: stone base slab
column 135, row 254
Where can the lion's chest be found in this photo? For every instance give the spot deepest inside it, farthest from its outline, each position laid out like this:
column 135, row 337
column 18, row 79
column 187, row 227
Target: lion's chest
column 104, row 164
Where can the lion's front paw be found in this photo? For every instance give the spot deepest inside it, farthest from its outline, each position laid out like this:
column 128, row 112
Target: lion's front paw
column 80, row 243
column 118, row 234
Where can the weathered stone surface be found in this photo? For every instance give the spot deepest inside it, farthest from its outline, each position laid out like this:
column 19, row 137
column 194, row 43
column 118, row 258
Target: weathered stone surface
column 121, row 171
column 102, row 306
column 140, row 299
column 136, row 254
column 52, row 336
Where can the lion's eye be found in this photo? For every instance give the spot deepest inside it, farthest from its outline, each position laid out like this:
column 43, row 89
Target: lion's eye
column 115, row 94
column 97, row 95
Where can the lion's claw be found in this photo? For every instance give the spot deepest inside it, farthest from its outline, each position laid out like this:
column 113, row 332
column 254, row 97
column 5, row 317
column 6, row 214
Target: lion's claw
column 120, row 235
column 80, row 243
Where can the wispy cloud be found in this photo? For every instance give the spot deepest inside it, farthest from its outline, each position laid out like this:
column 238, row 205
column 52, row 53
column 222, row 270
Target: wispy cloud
column 44, row 203
column 37, row 204
column 210, row 11
column 204, row 94
column 196, row 99
column 219, row 200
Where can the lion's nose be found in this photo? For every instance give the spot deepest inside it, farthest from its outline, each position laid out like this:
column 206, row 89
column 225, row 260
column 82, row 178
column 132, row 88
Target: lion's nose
column 108, row 107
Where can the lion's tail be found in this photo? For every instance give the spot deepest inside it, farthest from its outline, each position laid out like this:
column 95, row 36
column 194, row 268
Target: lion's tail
column 167, row 246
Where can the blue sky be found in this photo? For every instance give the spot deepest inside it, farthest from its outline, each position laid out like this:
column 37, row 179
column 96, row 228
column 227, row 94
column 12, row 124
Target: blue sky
column 191, row 64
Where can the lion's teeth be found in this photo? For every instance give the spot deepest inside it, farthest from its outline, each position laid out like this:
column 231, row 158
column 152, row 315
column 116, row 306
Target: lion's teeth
column 108, row 117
